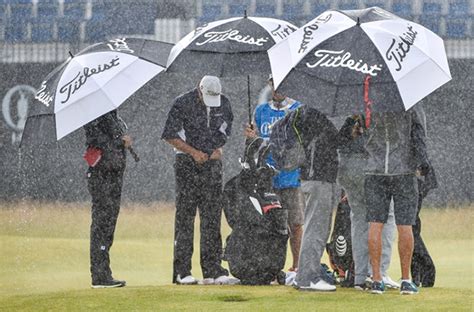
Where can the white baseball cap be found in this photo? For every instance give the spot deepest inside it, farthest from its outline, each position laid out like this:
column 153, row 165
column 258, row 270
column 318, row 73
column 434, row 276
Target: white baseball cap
column 211, row 88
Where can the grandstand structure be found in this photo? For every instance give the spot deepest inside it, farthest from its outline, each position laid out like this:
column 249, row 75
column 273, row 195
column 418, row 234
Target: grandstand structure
column 46, row 30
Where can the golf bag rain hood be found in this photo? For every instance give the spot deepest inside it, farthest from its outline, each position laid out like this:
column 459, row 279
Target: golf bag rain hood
column 256, row 247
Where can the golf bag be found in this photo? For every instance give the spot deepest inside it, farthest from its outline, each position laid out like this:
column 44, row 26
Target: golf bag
column 340, row 246
column 256, row 247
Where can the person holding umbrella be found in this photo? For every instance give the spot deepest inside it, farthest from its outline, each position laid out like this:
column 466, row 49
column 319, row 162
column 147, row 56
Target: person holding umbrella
column 351, row 174
column 106, row 141
column 198, row 125
column 396, row 148
column 84, row 92
column 306, row 139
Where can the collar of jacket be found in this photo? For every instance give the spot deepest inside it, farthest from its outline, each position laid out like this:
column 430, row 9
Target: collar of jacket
column 285, row 105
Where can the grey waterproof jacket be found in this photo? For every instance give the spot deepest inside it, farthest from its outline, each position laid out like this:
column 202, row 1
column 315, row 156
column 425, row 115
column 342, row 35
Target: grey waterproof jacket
column 395, row 143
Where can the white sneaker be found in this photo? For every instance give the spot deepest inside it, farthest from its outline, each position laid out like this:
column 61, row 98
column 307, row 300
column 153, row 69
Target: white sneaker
column 369, row 280
column 389, row 283
column 290, row 278
column 226, row 280
column 207, row 281
column 188, row 280
column 322, row 285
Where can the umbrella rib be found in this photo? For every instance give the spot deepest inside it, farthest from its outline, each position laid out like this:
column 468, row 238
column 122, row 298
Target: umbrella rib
column 92, row 78
column 146, row 59
column 414, row 68
column 419, row 49
column 351, row 43
column 130, row 64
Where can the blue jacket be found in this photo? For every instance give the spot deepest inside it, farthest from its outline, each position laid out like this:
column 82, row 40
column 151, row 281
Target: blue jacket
column 266, row 114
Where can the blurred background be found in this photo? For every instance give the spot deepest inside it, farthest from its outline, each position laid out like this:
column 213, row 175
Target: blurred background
column 37, row 35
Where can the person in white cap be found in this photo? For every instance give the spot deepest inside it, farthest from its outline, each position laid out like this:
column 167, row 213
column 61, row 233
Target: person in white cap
column 198, row 126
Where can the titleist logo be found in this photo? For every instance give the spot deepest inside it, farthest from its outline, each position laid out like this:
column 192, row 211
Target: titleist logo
column 328, row 58
column 308, row 31
column 44, row 96
column 398, row 49
column 120, row 45
column 81, row 78
column 199, row 30
column 231, row 34
column 282, row 31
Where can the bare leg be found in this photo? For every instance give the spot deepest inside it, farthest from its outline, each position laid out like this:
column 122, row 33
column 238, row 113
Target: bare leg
column 405, row 248
column 295, row 243
column 375, row 248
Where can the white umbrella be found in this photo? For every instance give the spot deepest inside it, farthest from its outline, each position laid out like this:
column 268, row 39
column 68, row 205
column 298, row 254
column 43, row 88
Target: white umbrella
column 342, row 57
column 96, row 81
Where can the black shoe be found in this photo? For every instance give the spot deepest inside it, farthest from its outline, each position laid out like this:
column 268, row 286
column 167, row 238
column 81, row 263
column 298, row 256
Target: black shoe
column 378, row 288
column 112, row 283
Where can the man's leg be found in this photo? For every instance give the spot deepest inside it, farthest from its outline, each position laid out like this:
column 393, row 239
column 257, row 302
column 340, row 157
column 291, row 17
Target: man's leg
column 388, row 236
column 186, row 205
column 405, row 249
column 296, row 235
column 377, row 198
column 405, row 190
column 354, row 188
column 375, row 249
column 210, row 212
column 317, row 223
column 293, row 200
column 105, row 189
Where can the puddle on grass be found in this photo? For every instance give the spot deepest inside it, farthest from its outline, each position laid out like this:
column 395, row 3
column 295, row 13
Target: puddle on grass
column 233, row 298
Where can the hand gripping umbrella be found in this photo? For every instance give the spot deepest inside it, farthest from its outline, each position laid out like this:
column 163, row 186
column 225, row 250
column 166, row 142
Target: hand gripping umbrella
column 228, row 48
column 359, row 61
column 94, row 82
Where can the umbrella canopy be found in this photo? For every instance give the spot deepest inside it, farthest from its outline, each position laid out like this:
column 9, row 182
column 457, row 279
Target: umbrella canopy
column 342, row 62
column 230, row 47
column 96, row 81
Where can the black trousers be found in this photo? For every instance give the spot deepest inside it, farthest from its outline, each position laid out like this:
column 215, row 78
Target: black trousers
column 198, row 187
column 105, row 188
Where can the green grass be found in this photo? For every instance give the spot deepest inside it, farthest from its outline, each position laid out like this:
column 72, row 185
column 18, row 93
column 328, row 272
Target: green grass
column 44, row 265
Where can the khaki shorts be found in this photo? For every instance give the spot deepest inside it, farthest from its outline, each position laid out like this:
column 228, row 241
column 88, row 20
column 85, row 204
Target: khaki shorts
column 293, row 200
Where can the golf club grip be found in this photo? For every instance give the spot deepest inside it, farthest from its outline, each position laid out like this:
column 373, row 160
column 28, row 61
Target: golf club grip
column 134, row 155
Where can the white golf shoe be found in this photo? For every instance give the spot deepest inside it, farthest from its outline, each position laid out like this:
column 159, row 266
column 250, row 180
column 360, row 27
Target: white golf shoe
column 187, row 280
column 389, row 283
column 226, row 280
column 322, row 285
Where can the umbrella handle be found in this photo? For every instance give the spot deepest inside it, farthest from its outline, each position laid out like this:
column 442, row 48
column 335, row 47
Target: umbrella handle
column 134, row 154
column 368, row 102
column 249, row 101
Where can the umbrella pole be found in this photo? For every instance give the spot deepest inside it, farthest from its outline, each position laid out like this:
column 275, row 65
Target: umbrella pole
column 249, row 102
column 134, row 154
column 248, row 141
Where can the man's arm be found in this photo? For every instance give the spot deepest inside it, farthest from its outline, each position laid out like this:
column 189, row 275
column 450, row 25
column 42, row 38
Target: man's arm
column 103, row 132
column 219, row 137
column 180, row 145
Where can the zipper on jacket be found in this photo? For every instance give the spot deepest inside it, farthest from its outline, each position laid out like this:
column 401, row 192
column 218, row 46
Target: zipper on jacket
column 387, row 147
column 311, row 168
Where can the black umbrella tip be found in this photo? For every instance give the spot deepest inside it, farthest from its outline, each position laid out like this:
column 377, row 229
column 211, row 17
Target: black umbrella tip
column 71, row 54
